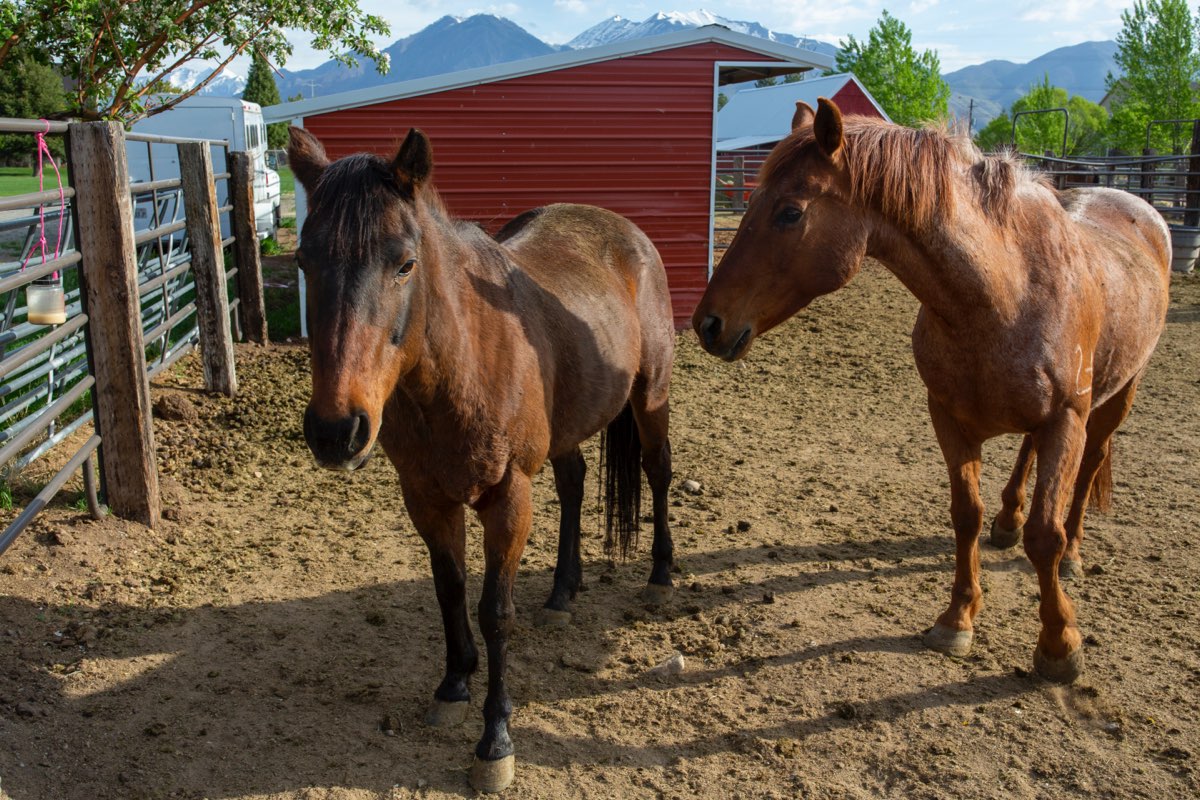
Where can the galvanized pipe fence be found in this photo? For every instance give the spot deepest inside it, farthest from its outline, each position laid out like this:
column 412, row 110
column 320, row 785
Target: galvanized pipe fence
column 132, row 302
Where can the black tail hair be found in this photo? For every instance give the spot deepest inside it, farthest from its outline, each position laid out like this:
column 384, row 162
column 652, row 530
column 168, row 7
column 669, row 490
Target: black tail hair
column 621, row 463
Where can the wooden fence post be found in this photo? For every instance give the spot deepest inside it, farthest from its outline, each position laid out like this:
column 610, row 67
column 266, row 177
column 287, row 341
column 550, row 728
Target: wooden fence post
column 121, row 399
column 249, row 273
column 208, row 267
column 1191, row 214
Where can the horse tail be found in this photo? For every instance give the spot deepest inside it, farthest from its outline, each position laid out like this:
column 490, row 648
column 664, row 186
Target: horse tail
column 1100, row 496
column 621, row 463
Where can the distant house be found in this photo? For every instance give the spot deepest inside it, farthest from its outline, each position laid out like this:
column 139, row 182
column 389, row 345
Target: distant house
column 758, row 118
column 627, row 126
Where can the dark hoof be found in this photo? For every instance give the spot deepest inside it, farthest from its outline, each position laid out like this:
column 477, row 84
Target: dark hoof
column 656, row 594
column 1059, row 670
column 446, row 715
column 552, row 618
column 949, row 641
column 1070, row 568
column 493, row 776
column 1003, row 538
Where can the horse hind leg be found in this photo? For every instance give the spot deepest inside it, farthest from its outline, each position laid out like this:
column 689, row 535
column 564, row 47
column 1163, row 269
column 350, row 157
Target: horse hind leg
column 1094, row 483
column 569, row 472
column 1009, row 524
column 652, row 412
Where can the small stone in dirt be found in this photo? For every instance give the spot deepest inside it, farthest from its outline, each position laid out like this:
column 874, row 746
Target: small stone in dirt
column 833, row 508
column 390, row 725
column 768, row 598
column 376, row 618
column 176, row 408
column 59, row 537
column 172, row 514
column 25, row 710
column 691, row 487
column 727, row 589
column 422, row 783
column 1091, row 640
column 845, row 710
column 1175, row 754
column 155, row 729
column 743, row 526
column 670, row 666
column 696, row 587
column 1095, row 569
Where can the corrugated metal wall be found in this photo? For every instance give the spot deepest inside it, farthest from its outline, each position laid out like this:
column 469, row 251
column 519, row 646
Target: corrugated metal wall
column 633, row 135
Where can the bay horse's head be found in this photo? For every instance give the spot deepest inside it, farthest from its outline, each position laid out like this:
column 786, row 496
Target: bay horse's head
column 361, row 250
column 799, row 239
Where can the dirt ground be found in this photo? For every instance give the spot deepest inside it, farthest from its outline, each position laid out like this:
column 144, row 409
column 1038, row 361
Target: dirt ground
column 278, row 636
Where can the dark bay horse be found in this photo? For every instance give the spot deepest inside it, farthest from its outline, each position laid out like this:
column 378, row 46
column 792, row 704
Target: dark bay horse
column 1039, row 313
column 473, row 360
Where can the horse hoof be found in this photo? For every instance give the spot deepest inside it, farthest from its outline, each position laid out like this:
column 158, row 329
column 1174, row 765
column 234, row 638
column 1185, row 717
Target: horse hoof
column 552, row 618
column 949, row 641
column 1003, row 538
column 1070, row 568
column 493, row 776
column 1059, row 670
column 443, row 714
column 656, row 594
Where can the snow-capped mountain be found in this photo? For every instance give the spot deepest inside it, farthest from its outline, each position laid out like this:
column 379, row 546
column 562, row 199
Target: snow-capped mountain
column 227, row 84
column 619, row 29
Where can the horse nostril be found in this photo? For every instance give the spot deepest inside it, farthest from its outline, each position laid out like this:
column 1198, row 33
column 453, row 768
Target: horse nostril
column 710, row 329
column 360, row 433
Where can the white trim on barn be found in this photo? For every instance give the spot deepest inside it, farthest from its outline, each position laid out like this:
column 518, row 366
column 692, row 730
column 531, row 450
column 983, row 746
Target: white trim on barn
column 789, row 57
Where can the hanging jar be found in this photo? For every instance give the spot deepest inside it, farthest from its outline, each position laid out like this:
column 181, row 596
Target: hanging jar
column 46, row 300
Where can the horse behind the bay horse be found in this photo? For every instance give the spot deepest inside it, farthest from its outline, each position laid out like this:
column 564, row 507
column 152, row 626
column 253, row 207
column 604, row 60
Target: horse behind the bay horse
column 472, row 361
column 1039, row 313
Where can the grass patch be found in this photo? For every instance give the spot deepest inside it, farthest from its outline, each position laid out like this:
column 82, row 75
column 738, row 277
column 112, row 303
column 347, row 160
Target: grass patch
column 23, row 180
column 270, row 247
column 283, row 313
column 287, row 181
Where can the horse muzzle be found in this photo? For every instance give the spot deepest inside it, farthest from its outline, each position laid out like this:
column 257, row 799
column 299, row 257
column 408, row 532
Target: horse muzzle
column 341, row 444
column 716, row 338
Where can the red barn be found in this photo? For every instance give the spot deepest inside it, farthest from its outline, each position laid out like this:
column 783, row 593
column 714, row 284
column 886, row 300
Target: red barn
column 759, row 118
column 629, row 127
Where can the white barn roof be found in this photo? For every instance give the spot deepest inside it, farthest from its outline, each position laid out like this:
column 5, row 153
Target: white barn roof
column 789, row 59
column 764, row 115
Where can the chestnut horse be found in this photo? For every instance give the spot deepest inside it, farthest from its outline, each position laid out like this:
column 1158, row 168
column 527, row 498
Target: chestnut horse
column 1039, row 313
column 473, row 360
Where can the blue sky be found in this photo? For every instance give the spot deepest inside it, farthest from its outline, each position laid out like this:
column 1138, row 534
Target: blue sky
column 963, row 32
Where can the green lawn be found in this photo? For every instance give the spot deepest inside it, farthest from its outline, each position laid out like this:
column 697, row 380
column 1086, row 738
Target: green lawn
column 287, row 181
column 22, row 180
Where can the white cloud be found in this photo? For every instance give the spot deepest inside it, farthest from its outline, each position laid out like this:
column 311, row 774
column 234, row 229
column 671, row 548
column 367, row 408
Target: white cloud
column 920, row 6
column 1072, row 10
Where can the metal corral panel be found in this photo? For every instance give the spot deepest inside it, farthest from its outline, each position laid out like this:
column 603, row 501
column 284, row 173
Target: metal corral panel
column 633, row 135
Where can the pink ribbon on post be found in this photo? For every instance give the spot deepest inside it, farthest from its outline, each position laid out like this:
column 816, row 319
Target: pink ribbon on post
column 44, row 150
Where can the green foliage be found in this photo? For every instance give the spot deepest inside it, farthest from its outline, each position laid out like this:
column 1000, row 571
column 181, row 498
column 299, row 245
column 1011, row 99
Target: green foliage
column 270, row 247
column 1037, row 133
column 116, row 51
column 28, row 90
column 721, row 100
column 287, row 180
column 6, row 496
column 793, row 77
column 906, row 84
column 763, row 83
column 261, row 89
column 1157, row 53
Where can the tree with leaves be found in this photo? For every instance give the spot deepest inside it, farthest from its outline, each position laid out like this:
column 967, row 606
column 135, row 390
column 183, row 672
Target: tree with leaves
column 906, row 84
column 1038, row 133
column 1160, row 63
column 261, row 89
column 28, row 90
column 115, row 52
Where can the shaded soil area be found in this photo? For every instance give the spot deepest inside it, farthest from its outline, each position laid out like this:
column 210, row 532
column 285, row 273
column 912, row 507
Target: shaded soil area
column 278, row 635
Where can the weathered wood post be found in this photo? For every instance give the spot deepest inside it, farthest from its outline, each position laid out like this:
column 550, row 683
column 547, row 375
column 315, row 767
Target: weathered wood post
column 121, row 399
column 1191, row 214
column 1149, row 167
column 208, row 267
column 249, row 273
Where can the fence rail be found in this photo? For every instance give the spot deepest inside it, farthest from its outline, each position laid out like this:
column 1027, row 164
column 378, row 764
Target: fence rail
column 91, row 364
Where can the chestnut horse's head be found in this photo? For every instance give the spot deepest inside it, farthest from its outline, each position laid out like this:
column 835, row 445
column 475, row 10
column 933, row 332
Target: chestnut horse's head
column 361, row 250
column 800, row 238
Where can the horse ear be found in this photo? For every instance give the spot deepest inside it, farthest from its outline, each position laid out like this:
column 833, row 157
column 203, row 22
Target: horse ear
column 804, row 115
column 414, row 161
column 828, row 127
column 306, row 157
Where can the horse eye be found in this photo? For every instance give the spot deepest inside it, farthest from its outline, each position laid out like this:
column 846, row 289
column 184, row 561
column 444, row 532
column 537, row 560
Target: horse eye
column 406, row 268
column 789, row 216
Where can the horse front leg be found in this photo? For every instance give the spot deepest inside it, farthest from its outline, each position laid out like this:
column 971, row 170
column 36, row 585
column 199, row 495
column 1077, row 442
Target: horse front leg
column 442, row 526
column 954, row 630
column 505, row 513
column 1009, row 524
column 1060, row 445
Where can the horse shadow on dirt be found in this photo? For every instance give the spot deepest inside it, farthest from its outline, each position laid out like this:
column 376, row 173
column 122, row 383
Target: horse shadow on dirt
column 268, row 697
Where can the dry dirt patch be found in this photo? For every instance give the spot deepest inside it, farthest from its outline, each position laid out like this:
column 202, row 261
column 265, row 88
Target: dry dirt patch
column 278, row 637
